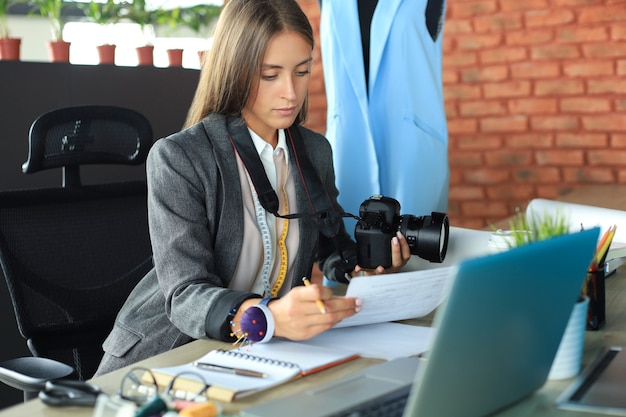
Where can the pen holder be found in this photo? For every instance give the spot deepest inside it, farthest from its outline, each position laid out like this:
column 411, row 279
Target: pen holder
column 595, row 290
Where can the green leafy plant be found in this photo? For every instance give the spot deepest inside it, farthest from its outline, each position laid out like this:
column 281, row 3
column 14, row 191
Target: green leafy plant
column 51, row 10
column 137, row 12
column 546, row 226
column 526, row 231
column 170, row 18
column 195, row 17
column 199, row 16
column 4, row 23
column 106, row 13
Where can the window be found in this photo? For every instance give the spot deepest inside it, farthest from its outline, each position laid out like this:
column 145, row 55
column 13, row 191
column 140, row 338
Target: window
column 85, row 35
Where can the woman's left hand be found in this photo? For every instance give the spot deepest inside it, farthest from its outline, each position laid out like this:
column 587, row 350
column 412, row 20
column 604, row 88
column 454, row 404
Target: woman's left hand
column 400, row 255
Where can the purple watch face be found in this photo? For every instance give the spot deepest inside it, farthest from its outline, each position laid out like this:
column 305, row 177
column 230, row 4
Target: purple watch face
column 254, row 324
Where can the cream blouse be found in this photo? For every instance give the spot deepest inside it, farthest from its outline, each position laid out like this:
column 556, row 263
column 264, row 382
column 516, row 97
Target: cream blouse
column 247, row 275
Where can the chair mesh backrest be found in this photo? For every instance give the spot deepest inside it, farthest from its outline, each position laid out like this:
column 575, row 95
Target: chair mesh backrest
column 81, row 135
column 70, row 257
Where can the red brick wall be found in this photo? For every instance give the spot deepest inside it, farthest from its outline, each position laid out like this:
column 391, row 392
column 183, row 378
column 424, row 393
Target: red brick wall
column 535, row 96
column 317, row 94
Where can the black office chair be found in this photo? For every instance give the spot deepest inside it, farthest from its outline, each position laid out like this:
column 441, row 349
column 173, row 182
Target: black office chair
column 73, row 136
column 72, row 254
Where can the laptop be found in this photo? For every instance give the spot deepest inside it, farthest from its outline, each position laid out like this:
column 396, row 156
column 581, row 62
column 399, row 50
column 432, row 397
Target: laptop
column 496, row 336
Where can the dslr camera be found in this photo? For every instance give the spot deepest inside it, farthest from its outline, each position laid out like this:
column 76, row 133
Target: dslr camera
column 380, row 219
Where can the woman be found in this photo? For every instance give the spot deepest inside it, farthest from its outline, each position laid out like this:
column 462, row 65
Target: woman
column 206, row 223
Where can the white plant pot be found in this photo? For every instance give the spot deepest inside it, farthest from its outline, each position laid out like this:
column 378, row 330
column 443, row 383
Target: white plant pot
column 502, row 240
column 568, row 357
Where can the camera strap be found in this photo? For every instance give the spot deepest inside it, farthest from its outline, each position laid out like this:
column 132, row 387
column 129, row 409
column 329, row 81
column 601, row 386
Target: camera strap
column 326, row 216
column 252, row 162
column 321, row 208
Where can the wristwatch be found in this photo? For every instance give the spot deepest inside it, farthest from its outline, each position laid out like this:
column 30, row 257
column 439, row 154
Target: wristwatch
column 267, row 300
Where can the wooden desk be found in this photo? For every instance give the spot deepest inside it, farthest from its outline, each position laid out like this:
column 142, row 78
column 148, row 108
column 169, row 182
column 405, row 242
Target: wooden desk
column 540, row 404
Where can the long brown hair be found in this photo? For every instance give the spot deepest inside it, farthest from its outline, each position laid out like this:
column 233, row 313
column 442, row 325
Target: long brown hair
column 233, row 65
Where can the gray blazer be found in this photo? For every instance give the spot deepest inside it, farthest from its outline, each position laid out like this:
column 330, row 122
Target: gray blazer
column 195, row 212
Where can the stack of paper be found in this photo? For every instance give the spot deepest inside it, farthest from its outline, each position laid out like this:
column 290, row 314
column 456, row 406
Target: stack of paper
column 583, row 216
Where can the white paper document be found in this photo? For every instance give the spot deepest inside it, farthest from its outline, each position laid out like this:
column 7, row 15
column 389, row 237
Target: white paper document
column 581, row 215
column 399, row 296
column 381, row 340
column 588, row 217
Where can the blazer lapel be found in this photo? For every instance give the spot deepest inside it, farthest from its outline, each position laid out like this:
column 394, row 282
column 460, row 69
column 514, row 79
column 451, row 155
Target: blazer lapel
column 226, row 161
column 381, row 25
column 346, row 35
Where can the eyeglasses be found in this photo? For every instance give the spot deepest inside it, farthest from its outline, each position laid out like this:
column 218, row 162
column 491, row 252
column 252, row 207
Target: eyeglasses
column 139, row 385
column 139, row 391
column 177, row 393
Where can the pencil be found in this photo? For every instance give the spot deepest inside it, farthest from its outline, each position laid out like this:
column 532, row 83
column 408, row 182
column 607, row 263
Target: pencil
column 320, row 303
column 605, row 245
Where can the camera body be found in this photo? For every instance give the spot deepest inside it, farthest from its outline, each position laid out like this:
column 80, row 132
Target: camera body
column 380, row 219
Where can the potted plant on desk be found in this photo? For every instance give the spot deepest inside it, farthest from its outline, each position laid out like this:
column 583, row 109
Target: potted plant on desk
column 567, row 361
column 9, row 46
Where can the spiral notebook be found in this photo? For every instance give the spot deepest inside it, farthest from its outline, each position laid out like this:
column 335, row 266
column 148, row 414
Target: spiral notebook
column 279, row 361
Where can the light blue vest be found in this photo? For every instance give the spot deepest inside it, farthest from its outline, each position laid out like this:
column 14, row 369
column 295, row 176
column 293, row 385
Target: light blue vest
column 395, row 144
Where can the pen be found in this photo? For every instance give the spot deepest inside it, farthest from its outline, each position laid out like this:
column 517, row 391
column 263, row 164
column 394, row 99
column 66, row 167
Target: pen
column 229, row 370
column 320, row 303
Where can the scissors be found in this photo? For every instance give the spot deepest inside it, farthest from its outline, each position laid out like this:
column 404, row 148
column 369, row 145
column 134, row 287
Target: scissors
column 60, row 393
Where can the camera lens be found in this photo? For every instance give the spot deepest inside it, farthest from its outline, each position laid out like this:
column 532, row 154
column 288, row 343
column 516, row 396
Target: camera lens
column 427, row 236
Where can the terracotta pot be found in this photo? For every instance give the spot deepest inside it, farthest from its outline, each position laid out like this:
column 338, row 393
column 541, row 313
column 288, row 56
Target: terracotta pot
column 201, row 55
column 175, row 57
column 106, row 54
column 10, row 49
column 58, row 51
column 145, row 55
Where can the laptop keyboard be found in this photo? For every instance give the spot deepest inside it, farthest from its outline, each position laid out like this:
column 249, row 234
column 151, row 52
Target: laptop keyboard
column 389, row 405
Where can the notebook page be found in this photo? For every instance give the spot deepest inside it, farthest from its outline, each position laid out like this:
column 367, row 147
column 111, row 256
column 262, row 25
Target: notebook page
column 280, row 360
column 277, row 372
column 308, row 358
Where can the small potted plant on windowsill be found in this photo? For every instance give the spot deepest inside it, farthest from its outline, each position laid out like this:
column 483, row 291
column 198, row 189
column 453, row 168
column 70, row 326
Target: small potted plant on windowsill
column 106, row 15
column 9, row 46
column 138, row 12
column 58, row 49
column 198, row 18
column 170, row 20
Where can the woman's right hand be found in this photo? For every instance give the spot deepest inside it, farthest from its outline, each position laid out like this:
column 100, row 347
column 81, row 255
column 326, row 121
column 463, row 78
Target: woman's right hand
column 297, row 315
